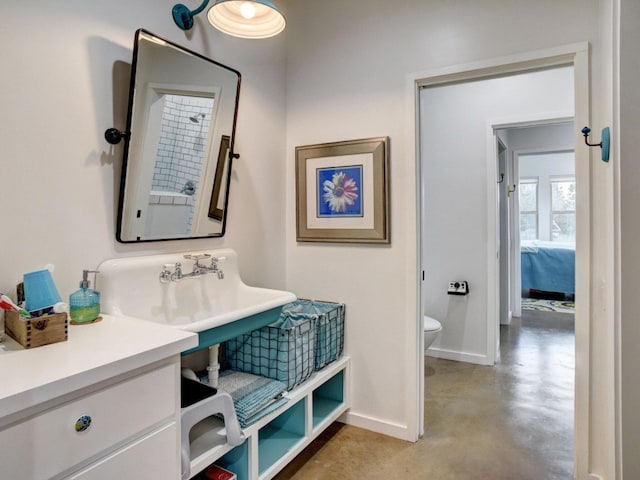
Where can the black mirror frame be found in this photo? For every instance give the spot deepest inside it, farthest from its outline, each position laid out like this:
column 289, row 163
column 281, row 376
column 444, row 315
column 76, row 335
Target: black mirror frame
column 113, row 136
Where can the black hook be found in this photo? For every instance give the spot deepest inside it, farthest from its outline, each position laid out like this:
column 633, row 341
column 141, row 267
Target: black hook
column 586, row 131
column 604, row 145
column 113, row 135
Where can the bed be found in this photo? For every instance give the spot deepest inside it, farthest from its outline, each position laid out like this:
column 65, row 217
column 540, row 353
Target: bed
column 548, row 266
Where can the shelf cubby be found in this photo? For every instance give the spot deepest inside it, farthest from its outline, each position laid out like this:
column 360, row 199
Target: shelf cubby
column 273, row 441
column 328, row 399
column 237, row 461
column 281, row 436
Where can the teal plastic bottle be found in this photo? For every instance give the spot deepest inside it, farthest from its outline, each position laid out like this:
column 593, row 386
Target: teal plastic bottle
column 84, row 304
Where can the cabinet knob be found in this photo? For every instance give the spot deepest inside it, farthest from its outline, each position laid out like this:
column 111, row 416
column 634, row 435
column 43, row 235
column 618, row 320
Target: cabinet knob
column 83, row 423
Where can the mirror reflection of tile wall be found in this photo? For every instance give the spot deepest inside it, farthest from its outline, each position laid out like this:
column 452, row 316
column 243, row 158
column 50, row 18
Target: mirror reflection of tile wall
column 183, row 136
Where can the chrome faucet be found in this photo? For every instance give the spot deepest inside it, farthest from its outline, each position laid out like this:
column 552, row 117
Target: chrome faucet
column 201, row 269
column 166, row 275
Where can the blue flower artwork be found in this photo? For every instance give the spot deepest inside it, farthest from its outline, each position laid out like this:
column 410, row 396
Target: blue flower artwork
column 340, row 191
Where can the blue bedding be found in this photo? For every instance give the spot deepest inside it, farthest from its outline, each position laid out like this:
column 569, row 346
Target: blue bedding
column 548, row 266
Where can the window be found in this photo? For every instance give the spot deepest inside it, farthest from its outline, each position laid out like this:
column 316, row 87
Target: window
column 563, row 209
column 528, row 197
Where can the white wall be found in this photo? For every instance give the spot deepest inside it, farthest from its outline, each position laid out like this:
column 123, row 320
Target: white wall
column 540, row 138
column 60, row 66
column 454, row 122
column 347, row 73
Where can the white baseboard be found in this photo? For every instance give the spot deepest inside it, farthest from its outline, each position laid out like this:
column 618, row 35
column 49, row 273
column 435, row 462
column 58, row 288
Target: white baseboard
column 458, row 356
column 377, row 425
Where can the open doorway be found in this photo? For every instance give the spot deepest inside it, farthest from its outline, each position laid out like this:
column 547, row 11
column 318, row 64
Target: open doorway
column 537, row 216
column 460, row 227
column 462, row 197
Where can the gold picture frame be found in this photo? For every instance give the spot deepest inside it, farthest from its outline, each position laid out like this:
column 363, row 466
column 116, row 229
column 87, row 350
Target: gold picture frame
column 342, row 192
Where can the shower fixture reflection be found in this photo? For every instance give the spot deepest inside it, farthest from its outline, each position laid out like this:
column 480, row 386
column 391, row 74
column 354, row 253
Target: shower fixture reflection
column 197, row 118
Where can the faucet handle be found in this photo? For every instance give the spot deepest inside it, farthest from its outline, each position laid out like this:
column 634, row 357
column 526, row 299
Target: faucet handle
column 176, row 276
column 215, row 261
column 165, row 274
column 214, row 266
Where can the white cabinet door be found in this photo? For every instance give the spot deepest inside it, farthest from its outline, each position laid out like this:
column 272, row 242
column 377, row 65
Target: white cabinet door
column 153, row 457
column 50, row 443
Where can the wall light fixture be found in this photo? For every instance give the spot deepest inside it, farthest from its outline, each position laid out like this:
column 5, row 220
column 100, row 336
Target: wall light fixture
column 240, row 18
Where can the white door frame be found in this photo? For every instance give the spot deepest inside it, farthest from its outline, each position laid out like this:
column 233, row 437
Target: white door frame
column 577, row 55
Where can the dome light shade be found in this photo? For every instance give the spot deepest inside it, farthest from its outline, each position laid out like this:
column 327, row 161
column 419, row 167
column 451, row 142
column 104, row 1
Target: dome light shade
column 240, row 18
column 247, row 18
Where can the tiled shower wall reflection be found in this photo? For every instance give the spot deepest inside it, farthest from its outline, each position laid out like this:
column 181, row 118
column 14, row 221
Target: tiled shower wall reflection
column 182, row 143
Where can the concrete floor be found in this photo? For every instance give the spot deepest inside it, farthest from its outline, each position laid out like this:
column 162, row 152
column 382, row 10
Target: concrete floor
column 511, row 421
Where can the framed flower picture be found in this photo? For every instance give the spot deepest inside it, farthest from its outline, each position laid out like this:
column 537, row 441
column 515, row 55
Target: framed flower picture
column 342, row 191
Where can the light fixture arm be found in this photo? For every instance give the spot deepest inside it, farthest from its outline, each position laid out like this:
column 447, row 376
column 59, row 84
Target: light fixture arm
column 184, row 17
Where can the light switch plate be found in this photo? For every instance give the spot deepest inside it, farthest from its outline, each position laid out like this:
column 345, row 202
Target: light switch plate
column 458, row 287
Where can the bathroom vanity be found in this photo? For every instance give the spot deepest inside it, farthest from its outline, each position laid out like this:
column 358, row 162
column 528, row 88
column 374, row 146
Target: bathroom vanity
column 103, row 404
column 122, row 375
column 106, row 403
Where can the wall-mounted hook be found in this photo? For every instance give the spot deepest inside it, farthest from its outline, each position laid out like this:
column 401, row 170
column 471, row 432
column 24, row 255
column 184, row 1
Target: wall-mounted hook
column 605, row 144
column 501, row 178
column 511, row 189
column 113, row 135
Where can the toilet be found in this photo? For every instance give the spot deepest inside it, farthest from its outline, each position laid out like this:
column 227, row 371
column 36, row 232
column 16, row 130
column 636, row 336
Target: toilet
column 432, row 328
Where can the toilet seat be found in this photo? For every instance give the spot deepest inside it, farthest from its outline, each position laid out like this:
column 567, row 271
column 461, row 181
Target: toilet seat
column 431, row 324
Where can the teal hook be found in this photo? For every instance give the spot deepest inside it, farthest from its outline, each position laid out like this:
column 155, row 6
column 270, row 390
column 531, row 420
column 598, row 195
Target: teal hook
column 605, row 143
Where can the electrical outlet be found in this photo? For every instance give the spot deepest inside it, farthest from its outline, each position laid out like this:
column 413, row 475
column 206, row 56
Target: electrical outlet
column 459, row 287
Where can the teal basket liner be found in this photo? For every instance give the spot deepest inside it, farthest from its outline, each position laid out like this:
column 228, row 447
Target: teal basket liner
column 329, row 327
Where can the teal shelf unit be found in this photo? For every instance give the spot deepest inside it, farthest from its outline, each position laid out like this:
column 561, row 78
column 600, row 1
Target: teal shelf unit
column 280, row 436
column 275, row 440
column 328, row 398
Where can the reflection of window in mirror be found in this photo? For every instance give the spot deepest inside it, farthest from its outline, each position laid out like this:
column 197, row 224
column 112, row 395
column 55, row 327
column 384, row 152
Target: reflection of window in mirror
column 179, row 164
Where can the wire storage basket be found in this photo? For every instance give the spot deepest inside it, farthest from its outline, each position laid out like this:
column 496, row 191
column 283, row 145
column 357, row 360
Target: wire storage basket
column 284, row 350
column 329, row 324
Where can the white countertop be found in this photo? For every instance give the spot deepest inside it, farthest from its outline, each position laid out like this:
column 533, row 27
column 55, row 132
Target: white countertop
column 92, row 353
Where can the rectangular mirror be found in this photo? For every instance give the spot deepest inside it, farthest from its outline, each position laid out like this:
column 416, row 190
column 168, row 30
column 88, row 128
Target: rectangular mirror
column 178, row 144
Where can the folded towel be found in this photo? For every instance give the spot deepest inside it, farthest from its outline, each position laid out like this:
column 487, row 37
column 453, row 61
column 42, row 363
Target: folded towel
column 253, row 396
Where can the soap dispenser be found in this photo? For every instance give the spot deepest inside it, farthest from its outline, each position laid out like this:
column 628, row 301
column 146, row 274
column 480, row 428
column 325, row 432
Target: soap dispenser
column 84, row 304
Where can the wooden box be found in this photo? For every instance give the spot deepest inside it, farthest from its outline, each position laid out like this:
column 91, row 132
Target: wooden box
column 35, row 332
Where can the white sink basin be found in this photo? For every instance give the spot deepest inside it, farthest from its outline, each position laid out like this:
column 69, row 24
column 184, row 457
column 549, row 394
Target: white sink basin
column 131, row 287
